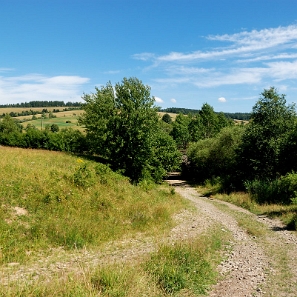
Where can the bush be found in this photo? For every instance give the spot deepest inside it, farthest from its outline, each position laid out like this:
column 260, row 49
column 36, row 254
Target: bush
column 214, row 157
column 282, row 190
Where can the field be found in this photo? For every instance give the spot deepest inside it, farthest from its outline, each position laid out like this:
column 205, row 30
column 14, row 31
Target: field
column 65, row 219
column 64, row 119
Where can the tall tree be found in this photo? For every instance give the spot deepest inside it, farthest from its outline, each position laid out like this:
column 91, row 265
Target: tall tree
column 271, row 121
column 122, row 124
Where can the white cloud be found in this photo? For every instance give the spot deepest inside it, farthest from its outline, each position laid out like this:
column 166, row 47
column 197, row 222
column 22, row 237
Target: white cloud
column 36, row 87
column 173, row 100
column 112, row 72
column 222, row 99
column 269, row 56
column 158, row 100
column 144, row 56
column 241, row 43
column 3, row 69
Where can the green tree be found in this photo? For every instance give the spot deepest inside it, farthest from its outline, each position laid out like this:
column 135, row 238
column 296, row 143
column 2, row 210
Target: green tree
column 180, row 131
column 9, row 125
column 271, row 121
column 166, row 118
column 122, row 125
column 55, row 128
column 209, row 121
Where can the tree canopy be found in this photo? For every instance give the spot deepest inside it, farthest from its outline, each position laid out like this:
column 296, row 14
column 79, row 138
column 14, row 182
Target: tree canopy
column 122, row 125
column 271, row 122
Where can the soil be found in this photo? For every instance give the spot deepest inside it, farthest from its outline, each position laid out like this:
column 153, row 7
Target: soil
column 252, row 266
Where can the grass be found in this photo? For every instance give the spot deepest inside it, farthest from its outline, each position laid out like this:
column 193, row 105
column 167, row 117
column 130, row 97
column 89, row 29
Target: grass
column 181, row 269
column 64, row 119
column 187, row 267
column 52, row 199
column 286, row 213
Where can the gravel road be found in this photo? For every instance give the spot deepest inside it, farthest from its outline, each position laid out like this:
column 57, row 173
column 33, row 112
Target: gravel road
column 255, row 266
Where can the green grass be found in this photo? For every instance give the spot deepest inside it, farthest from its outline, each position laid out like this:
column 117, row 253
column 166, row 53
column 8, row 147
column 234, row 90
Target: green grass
column 187, row 266
column 52, row 199
column 181, row 269
column 286, row 213
column 61, row 120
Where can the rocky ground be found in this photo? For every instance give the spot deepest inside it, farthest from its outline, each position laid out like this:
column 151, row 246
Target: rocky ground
column 253, row 265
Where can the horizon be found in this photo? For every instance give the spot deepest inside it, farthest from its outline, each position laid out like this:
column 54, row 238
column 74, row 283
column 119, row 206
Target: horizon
column 224, row 53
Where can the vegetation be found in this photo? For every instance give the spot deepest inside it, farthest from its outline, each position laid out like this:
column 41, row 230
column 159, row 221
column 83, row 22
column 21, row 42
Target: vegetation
column 244, row 116
column 42, row 104
column 122, row 125
column 50, row 199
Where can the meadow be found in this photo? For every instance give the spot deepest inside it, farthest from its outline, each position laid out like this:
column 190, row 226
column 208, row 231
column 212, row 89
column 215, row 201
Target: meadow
column 54, row 205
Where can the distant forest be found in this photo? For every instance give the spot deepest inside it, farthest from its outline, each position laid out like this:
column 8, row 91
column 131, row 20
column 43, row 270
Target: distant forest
column 237, row 115
column 43, row 104
column 244, row 116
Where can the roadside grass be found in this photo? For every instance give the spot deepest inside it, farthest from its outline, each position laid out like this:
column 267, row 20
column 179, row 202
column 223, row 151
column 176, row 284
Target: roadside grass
column 182, row 269
column 286, row 213
column 53, row 199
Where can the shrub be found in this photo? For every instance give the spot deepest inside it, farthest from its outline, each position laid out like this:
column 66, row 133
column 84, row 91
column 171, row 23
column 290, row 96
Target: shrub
column 214, row 157
column 282, row 190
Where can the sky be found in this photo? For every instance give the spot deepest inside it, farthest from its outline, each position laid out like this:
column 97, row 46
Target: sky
column 190, row 52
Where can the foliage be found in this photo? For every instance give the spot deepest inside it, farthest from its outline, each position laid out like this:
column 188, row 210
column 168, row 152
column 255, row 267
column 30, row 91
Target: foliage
column 281, row 190
column 180, row 131
column 55, row 128
column 68, row 140
column 259, row 155
column 192, row 128
column 185, row 265
column 167, row 118
column 122, row 126
column 72, row 203
column 214, row 157
column 9, row 125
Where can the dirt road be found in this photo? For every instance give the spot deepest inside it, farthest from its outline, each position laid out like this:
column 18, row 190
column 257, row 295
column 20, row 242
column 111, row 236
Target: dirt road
column 264, row 265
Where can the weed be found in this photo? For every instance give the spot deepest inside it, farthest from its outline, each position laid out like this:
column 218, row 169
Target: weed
column 187, row 265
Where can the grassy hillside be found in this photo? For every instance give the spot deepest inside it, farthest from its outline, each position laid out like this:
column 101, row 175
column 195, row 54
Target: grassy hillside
column 51, row 199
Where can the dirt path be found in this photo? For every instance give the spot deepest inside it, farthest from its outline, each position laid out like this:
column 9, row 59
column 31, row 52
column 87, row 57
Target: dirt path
column 254, row 266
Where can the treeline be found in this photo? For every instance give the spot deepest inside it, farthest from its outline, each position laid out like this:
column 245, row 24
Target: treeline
column 243, row 116
column 43, row 104
column 13, row 134
column 206, row 123
column 259, row 157
column 123, row 127
column 35, row 112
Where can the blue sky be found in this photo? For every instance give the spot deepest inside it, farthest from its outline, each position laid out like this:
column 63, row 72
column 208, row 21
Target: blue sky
column 222, row 52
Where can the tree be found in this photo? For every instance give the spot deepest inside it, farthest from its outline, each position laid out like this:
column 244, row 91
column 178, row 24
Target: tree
column 122, row 125
column 271, row 121
column 55, row 128
column 10, row 125
column 180, row 131
column 166, row 118
column 209, row 121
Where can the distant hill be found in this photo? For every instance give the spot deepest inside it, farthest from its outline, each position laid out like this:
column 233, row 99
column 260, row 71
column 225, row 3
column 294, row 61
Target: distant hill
column 235, row 116
column 43, row 104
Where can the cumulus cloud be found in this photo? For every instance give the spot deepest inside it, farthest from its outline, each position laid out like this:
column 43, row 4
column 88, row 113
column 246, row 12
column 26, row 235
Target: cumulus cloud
column 36, row 87
column 158, row 100
column 173, row 100
column 222, row 99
